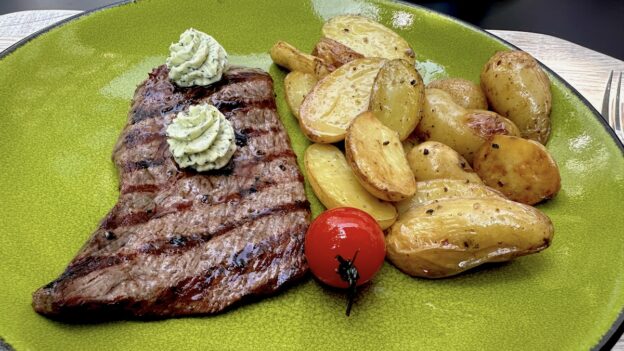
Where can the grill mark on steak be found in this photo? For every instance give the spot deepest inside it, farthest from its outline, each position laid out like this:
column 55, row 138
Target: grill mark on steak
column 247, row 227
column 175, row 244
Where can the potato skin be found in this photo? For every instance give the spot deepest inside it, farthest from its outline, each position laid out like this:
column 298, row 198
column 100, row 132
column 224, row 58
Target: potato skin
column 521, row 169
column 464, row 92
column 334, row 54
column 296, row 86
column 463, row 130
column 367, row 37
column 291, row 58
column 377, row 159
column 438, row 189
column 328, row 110
column 517, row 88
column 447, row 237
column 398, row 96
column 335, row 185
column 434, row 160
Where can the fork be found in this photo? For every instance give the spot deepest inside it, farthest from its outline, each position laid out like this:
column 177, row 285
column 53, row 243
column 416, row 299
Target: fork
column 614, row 116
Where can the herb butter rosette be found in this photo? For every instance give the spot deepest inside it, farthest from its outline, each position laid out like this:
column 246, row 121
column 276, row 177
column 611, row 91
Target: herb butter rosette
column 197, row 59
column 201, row 138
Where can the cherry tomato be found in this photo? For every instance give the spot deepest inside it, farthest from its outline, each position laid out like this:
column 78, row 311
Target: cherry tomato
column 343, row 238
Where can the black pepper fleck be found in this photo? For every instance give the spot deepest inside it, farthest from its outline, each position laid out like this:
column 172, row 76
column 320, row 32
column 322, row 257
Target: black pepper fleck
column 386, row 142
column 110, row 235
column 426, row 152
column 429, row 211
column 495, row 146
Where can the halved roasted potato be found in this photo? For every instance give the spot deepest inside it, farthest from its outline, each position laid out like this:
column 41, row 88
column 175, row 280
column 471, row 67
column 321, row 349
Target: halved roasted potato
column 438, row 189
column 335, row 184
column 434, row 160
column 464, row 92
column 398, row 97
column 296, row 86
column 291, row 58
column 463, row 130
column 333, row 53
column 517, row 88
column 376, row 157
column 521, row 169
column 447, row 237
column 367, row 37
column 327, row 111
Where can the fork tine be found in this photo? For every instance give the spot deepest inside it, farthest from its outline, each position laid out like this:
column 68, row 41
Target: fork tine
column 606, row 98
column 618, row 107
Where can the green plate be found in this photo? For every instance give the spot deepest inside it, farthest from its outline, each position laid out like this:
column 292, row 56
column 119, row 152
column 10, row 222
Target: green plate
column 64, row 98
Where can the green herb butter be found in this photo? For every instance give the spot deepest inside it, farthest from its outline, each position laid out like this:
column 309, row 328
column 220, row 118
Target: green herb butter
column 201, row 138
column 197, row 59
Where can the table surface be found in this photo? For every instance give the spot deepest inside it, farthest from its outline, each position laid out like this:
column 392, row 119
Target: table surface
column 586, row 70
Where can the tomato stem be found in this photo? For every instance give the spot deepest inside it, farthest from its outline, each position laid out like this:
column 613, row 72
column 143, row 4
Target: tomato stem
column 349, row 273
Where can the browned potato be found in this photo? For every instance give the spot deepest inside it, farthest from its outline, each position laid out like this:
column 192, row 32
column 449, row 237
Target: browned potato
column 291, row 58
column 517, row 88
column 376, row 157
column 464, row 92
column 327, row 111
column 334, row 54
column 296, row 86
column 398, row 97
column 447, row 237
column 438, row 189
column 335, row 185
column 367, row 37
column 463, row 130
column 521, row 169
column 434, row 160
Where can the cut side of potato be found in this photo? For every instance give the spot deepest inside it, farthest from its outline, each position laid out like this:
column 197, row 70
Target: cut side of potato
column 291, row 58
column 398, row 97
column 334, row 54
column 335, row 184
column 464, row 92
column 327, row 111
column 447, row 237
column 434, row 160
column 377, row 159
column 296, row 86
column 438, row 189
column 521, row 169
column 369, row 38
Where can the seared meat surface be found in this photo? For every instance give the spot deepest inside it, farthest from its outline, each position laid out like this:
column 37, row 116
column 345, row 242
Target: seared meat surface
column 180, row 242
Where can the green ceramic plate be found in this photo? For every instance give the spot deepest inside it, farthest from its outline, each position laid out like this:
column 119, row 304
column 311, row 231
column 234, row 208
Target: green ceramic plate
column 63, row 101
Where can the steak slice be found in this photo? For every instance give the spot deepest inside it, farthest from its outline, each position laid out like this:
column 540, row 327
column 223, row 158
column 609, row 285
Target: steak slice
column 180, row 242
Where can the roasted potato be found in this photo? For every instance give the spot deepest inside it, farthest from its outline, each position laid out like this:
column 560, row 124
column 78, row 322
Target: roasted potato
column 434, row 160
column 450, row 236
column 296, row 86
column 463, row 130
column 376, row 157
column 335, row 184
column 517, row 88
column 438, row 189
column 291, row 58
column 327, row 111
column 333, row 53
column 464, row 92
column 367, row 37
column 398, row 96
column 521, row 169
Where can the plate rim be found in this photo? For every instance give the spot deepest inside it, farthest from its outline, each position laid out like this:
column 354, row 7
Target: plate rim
column 611, row 337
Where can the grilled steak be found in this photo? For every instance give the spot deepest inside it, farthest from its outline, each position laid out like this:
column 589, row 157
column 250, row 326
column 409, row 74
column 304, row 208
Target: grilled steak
column 180, row 242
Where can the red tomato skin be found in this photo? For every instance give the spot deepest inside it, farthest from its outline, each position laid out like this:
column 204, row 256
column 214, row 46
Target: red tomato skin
column 344, row 231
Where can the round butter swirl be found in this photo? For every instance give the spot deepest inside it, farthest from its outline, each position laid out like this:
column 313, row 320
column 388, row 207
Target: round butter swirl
column 202, row 139
column 197, row 59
